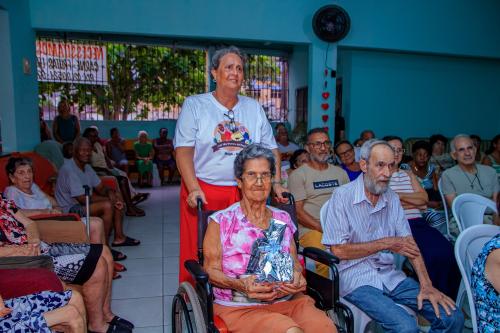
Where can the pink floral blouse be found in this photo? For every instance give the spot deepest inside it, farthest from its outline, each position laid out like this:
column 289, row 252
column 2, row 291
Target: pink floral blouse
column 237, row 236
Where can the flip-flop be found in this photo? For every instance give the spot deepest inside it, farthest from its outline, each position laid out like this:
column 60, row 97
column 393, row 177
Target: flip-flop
column 116, row 276
column 117, row 255
column 127, row 242
column 140, row 197
column 119, row 267
column 118, row 321
column 136, row 213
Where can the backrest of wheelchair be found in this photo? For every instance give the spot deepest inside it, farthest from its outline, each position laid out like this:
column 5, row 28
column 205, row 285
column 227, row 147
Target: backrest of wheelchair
column 203, row 217
column 318, row 287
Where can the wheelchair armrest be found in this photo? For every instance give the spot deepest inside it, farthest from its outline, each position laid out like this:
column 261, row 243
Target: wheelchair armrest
column 196, row 271
column 321, row 256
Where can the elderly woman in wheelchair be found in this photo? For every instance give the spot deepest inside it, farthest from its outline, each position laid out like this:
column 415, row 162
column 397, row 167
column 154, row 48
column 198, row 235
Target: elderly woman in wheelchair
column 251, row 258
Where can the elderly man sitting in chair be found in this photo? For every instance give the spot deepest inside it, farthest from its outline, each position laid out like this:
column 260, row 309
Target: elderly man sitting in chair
column 365, row 221
column 468, row 176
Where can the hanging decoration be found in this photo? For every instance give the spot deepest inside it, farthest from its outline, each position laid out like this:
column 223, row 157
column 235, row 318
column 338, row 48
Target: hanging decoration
column 325, row 95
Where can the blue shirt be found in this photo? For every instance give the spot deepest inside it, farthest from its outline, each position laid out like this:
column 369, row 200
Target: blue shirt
column 351, row 218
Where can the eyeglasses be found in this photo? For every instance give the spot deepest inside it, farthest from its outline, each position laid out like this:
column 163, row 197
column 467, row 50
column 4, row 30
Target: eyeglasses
column 253, row 177
column 350, row 150
column 399, row 151
column 232, row 123
column 318, row 144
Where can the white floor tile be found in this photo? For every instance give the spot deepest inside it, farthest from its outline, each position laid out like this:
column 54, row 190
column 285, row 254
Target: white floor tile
column 167, row 305
column 171, row 265
column 143, row 266
column 170, row 250
column 137, row 287
column 142, row 251
column 155, row 329
column 143, row 312
column 170, row 283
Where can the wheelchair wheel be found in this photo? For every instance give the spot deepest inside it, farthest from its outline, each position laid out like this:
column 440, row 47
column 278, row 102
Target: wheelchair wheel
column 187, row 314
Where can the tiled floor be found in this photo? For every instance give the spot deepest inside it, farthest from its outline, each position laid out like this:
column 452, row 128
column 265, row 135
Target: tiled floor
column 144, row 293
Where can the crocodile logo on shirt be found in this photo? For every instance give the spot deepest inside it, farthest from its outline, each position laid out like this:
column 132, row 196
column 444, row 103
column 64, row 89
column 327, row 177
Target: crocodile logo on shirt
column 230, row 136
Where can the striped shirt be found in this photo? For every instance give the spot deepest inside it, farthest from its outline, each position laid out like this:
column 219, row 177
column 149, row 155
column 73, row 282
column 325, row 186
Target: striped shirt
column 351, row 218
column 401, row 183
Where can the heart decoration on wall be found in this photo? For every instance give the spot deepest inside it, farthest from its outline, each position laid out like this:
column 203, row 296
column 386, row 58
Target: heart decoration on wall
column 324, row 117
column 325, row 128
column 325, row 106
column 325, row 95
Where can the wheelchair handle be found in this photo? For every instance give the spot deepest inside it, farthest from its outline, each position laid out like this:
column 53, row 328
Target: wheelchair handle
column 199, row 204
column 290, row 197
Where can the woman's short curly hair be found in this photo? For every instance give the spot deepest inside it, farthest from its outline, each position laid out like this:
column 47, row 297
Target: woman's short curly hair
column 252, row 152
column 218, row 54
column 15, row 162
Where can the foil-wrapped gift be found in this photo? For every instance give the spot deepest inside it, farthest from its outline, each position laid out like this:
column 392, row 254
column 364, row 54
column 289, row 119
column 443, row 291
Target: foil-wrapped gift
column 268, row 260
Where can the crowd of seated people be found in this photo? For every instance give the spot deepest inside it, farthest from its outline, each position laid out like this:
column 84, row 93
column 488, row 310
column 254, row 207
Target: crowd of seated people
column 376, row 204
column 462, row 170
column 82, row 160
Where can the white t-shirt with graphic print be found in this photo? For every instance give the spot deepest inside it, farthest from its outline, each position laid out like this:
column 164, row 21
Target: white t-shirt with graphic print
column 205, row 124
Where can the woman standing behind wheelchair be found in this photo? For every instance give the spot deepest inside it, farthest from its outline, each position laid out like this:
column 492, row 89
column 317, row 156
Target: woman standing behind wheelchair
column 212, row 128
column 237, row 237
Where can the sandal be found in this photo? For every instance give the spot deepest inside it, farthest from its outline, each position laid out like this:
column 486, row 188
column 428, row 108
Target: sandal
column 135, row 213
column 119, row 267
column 118, row 321
column 116, row 275
column 117, row 255
column 140, row 197
column 127, row 242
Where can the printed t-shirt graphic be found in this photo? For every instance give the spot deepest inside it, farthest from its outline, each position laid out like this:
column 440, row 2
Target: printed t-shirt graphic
column 230, row 137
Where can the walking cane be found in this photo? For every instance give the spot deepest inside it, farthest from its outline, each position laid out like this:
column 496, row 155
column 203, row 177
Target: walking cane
column 87, row 208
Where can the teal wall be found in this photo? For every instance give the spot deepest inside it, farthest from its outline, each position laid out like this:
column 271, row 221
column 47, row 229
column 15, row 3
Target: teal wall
column 19, row 91
column 451, row 28
column 414, row 95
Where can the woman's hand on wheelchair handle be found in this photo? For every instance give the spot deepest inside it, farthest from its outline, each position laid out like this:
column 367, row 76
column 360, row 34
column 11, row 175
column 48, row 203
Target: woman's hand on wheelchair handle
column 193, row 195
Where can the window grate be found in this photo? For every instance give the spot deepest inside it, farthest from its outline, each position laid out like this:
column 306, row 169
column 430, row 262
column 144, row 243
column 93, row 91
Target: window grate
column 142, row 82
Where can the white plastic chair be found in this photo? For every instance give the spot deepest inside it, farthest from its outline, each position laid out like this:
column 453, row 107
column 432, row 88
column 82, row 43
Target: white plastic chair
column 445, row 207
column 468, row 209
column 469, row 244
column 362, row 322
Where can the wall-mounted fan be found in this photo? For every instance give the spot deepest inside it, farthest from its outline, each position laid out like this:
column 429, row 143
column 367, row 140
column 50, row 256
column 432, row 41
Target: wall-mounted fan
column 331, row 23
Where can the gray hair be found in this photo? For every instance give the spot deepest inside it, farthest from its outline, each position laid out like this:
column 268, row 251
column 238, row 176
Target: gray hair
column 79, row 142
column 367, row 147
column 458, row 136
column 141, row 133
column 252, row 152
column 218, row 54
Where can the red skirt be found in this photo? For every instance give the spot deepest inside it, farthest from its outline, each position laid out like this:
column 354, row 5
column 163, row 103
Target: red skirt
column 218, row 198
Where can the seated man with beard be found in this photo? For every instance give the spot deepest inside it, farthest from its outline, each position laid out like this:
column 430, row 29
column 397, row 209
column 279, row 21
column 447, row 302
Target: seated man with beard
column 365, row 222
column 312, row 185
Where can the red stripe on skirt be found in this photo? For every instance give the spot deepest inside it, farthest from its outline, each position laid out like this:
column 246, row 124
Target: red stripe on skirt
column 218, row 198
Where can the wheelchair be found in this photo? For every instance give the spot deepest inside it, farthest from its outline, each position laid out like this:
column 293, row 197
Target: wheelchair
column 192, row 306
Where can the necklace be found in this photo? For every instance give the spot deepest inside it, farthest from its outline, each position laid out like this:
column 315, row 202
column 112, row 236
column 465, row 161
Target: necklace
column 471, row 182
